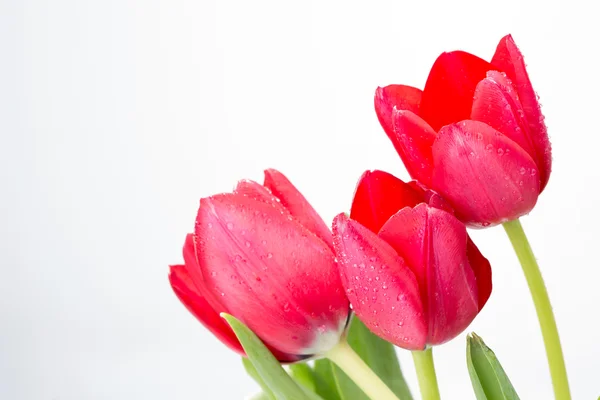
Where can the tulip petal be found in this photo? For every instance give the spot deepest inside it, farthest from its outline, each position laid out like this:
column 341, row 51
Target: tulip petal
column 508, row 58
column 497, row 104
column 382, row 289
column 297, row 205
column 483, row 272
column 448, row 93
column 487, row 178
column 380, row 195
column 434, row 245
column 400, row 97
column 413, row 139
column 189, row 295
column 280, row 279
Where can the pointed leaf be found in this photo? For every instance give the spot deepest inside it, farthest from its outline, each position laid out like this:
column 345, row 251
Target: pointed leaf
column 251, row 370
column 326, row 386
column 267, row 366
column 380, row 356
column 304, row 375
column 489, row 380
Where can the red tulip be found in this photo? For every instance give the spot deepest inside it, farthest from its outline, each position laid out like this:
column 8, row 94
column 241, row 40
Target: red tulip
column 263, row 255
column 475, row 134
column 410, row 270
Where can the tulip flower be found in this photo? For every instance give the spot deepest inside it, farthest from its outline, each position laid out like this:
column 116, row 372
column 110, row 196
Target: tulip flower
column 263, row 255
column 475, row 134
column 410, row 271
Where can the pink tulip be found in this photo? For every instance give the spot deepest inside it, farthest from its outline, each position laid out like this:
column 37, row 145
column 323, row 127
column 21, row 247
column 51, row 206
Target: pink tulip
column 475, row 134
column 411, row 272
column 263, row 255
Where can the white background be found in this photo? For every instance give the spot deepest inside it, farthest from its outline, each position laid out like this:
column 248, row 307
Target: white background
column 117, row 116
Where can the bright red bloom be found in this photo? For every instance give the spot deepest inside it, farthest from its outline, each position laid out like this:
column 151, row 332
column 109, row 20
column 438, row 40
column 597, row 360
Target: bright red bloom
column 263, row 255
column 410, row 270
column 475, row 134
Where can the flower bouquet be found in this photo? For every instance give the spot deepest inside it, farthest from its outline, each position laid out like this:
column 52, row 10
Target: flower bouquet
column 316, row 312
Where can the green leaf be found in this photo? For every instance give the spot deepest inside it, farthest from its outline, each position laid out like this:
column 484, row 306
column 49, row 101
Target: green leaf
column 304, row 375
column 274, row 376
column 249, row 367
column 489, row 380
column 380, row 355
column 326, row 386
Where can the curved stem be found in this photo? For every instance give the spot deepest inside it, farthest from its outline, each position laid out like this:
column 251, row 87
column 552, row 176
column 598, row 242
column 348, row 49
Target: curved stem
column 359, row 372
column 426, row 374
column 556, row 361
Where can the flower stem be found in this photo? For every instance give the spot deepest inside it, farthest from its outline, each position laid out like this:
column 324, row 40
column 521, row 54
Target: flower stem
column 426, row 374
column 556, row 361
column 350, row 362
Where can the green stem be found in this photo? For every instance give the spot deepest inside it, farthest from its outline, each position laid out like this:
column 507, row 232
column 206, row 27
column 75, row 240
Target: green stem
column 426, row 374
column 359, row 372
column 556, row 361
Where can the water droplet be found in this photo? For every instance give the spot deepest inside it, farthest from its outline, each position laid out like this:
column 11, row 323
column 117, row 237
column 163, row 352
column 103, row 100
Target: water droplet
column 533, row 172
column 238, row 258
column 209, row 225
column 400, row 323
column 222, row 294
column 384, row 286
column 522, row 171
column 349, row 291
column 500, row 152
column 229, row 225
column 479, row 136
column 401, row 297
column 247, row 244
column 286, row 307
column 263, row 242
column 269, row 255
column 213, row 273
column 489, row 148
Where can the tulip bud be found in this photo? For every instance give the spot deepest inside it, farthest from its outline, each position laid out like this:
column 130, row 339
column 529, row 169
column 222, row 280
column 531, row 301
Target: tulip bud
column 263, row 255
column 416, row 278
column 475, row 134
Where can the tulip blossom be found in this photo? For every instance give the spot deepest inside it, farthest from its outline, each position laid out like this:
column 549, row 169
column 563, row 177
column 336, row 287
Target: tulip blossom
column 263, row 255
column 475, row 134
column 410, row 270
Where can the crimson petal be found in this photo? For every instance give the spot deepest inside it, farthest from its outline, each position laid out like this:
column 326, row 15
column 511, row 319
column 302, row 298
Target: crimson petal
column 508, row 58
column 497, row 104
column 297, row 205
column 413, row 139
column 434, row 244
column 188, row 294
column 279, row 277
column 448, row 93
column 382, row 289
column 380, row 195
column 483, row 272
column 487, row 178
column 400, row 97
